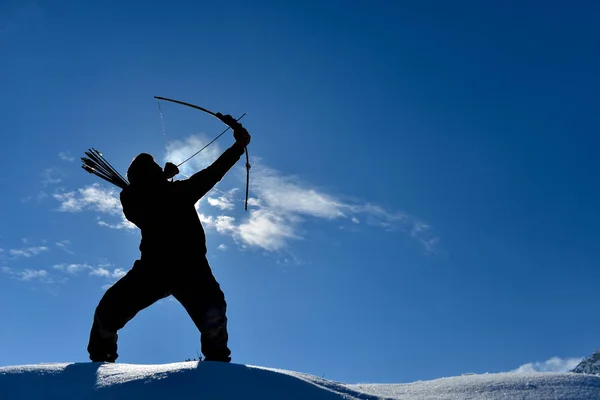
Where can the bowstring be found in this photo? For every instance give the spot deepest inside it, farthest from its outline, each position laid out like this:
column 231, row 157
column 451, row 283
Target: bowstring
column 209, row 143
column 162, row 121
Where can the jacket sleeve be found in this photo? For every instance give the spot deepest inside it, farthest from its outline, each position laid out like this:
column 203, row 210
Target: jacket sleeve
column 202, row 181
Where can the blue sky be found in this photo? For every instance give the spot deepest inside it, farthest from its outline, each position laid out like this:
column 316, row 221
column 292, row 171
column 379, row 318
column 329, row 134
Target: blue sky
column 424, row 184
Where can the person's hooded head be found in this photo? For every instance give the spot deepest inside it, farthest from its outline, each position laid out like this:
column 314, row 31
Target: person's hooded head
column 144, row 170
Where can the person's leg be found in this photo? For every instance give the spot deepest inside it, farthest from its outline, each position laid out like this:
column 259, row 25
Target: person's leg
column 138, row 289
column 201, row 296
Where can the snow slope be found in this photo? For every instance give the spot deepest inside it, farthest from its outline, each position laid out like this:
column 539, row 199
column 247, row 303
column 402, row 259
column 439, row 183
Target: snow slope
column 589, row 365
column 208, row 380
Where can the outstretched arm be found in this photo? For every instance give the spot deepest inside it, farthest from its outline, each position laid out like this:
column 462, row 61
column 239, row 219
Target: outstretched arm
column 202, row 181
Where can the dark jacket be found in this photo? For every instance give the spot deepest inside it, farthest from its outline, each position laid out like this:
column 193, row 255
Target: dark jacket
column 166, row 212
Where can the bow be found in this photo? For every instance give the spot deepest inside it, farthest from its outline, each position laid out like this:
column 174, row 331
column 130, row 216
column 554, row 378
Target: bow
column 219, row 116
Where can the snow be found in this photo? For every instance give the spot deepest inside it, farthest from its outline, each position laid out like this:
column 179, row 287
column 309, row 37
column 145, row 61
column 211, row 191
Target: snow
column 213, row 380
column 589, row 365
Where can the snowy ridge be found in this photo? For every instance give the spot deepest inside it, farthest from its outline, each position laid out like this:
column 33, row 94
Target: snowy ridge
column 207, row 380
column 589, row 365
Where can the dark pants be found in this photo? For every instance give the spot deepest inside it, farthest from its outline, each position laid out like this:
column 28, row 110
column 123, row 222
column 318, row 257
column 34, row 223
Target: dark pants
column 147, row 282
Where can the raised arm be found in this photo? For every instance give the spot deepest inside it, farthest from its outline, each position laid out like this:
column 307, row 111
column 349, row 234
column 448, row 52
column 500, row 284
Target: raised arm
column 202, row 181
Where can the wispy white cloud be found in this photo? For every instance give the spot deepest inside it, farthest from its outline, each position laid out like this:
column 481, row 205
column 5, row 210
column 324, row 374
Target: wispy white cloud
column 555, row 364
column 420, row 231
column 287, row 194
column 267, row 229
column 28, row 251
column 180, row 150
column 283, row 203
column 38, row 198
column 29, row 274
column 222, row 202
column 105, row 271
column 64, row 245
column 124, row 224
column 222, row 247
column 114, row 275
column 102, row 271
column 72, row 268
column 26, row 275
column 279, row 209
column 95, row 198
column 118, row 273
column 66, row 156
column 50, row 176
column 225, row 224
